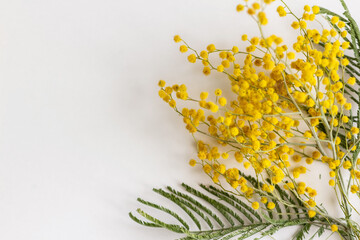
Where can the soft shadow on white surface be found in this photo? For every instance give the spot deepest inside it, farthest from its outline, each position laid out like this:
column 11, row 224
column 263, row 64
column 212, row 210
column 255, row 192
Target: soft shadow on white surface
column 82, row 130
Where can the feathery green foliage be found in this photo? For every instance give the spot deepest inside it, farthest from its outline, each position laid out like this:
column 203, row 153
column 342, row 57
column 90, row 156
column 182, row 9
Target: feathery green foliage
column 217, row 205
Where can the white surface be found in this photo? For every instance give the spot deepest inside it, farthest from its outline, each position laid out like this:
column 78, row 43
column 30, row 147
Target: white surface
column 82, row 130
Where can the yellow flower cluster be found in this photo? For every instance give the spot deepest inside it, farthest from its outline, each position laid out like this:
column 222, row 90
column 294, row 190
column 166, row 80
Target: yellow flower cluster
column 288, row 109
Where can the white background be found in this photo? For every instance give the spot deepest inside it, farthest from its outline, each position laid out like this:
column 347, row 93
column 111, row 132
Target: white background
column 83, row 132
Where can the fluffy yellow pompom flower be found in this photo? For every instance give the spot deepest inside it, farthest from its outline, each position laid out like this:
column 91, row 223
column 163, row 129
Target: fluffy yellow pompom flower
column 354, row 189
column 307, row 134
column 302, row 24
column 183, row 48
column 307, row 8
column 351, row 81
column 256, row 6
column 255, row 205
column 262, row 18
column 161, row 83
column 345, row 45
column 315, row 9
column 207, row 168
column 211, row 48
column 354, row 130
column 220, row 68
column 240, row 7
column 172, row 103
column 347, row 106
column 225, row 63
column 192, row 162
column 281, row 11
column 218, row 92
column 206, row 70
column 204, row 95
column 177, row 38
column 309, row 160
column 222, row 101
column 225, row 155
column 347, row 164
column 316, row 155
column 334, row 228
column 251, row 11
column 291, row 55
column 271, row 205
column 334, row 19
column 234, row 131
column 235, row 49
column 300, row 96
column 311, row 213
column 204, row 54
column 341, row 24
column 192, row 58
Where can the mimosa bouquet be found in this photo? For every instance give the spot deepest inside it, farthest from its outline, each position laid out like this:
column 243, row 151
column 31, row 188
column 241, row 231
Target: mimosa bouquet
column 292, row 109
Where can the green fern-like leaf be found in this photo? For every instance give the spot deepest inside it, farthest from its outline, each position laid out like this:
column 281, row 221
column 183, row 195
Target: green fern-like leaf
column 242, row 222
column 301, row 234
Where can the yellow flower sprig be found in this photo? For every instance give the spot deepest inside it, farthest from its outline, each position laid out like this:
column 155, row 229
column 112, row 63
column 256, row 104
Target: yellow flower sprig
column 289, row 107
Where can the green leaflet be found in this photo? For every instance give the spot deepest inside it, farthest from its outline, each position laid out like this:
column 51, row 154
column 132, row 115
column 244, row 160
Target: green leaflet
column 301, row 234
column 197, row 205
column 318, row 233
column 175, row 215
column 183, row 204
column 235, row 215
column 225, row 211
column 241, row 203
